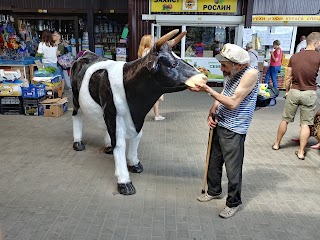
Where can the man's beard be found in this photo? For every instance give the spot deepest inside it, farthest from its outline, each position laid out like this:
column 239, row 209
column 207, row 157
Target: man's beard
column 228, row 76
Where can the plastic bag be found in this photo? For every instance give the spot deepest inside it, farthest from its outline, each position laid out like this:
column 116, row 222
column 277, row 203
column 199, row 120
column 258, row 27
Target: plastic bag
column 65, row 61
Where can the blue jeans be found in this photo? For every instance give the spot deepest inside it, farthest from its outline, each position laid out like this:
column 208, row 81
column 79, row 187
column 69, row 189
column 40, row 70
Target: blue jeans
column 273, row 71
column 227, row 148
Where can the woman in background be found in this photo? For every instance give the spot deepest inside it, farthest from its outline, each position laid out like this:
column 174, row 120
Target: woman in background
column 146, row 43
column 275, row 64
column 49, row 49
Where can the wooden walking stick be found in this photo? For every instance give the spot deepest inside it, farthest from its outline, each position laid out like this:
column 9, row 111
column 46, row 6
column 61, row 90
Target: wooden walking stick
column 214, row 115
column 1, row 235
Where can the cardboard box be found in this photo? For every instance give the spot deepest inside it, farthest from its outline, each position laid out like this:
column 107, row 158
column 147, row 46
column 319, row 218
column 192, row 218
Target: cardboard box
column 121, row 51
column 55, row 107
column 11, row 88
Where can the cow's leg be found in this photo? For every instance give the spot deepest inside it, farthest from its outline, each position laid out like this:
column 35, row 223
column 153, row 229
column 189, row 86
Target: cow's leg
column 125, row 186
column 108, row 148
column 134, row 164
column 77, row 130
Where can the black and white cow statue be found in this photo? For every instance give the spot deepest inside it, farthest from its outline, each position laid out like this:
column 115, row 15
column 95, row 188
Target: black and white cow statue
column 120, row 95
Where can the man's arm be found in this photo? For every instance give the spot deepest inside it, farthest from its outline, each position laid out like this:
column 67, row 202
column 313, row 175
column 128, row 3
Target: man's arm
column 246, row 85
column 213, row 122
column 288, row 79
column 215, row 106
column 299, row 46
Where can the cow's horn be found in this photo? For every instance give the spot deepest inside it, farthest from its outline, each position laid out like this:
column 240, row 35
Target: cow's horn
column 165, row 38
column 177, row 39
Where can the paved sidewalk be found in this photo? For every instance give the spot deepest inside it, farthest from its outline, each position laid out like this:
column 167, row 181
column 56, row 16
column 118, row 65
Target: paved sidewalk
column 48, row 191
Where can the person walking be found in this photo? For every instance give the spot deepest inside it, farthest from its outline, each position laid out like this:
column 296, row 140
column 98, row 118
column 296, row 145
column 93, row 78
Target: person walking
column 275, row 64
column 301, row 89
column 145, row 45
column 253, row 54
column 235, row 107
column 302, row 44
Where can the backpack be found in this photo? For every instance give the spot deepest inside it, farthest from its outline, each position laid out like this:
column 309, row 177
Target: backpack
column 263, row 101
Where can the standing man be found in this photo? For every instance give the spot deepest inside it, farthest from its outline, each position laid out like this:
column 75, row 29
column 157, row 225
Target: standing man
column 302, row 45
column 253, row 54
column 235, row 107
column 301, row 89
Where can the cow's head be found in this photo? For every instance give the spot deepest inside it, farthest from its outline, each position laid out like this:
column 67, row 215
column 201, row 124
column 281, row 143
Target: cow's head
column 168, row 70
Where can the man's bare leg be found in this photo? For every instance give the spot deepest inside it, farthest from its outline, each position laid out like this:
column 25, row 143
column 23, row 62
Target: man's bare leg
column 282, row 129
column 304, row 136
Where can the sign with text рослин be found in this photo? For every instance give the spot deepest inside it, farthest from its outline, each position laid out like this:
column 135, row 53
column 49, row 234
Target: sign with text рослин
column 223, row 6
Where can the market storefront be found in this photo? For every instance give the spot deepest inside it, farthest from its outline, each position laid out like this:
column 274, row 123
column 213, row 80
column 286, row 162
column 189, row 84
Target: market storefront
column 208, row 29
column 27, row 86
column 286, row 28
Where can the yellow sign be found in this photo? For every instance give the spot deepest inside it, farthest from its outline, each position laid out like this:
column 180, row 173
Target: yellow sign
column 225, row 6
column 285, row 18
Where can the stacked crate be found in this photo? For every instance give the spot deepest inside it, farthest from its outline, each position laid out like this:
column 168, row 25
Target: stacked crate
column 54, row 85
column 11, row 105
column 32, row 98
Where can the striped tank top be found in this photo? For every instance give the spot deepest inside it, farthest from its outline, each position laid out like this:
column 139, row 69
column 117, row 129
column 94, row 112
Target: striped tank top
column 239, row 119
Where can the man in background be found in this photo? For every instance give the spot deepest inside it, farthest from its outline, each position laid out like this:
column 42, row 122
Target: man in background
column 301, row 89
column 253, row 54
column 302, row 45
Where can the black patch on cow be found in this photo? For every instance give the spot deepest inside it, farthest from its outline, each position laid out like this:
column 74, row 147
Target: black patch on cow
column 99, row 88
column 141, row 92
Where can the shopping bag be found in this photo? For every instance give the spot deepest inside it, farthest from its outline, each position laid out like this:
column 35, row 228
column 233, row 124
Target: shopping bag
column 65, row 61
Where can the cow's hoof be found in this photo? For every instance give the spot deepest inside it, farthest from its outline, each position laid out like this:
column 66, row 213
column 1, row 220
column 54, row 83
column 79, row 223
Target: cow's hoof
column 136, row 168
column 79, row 146
column 126, row 188
column 108, row 150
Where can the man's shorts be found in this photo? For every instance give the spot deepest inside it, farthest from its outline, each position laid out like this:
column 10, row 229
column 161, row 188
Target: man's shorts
column 306, row 100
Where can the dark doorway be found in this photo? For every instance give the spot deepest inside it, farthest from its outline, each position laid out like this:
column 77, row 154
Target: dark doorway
column 304, row 31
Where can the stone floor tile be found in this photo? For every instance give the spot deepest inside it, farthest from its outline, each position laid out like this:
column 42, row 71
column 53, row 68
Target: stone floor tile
column 53, row 192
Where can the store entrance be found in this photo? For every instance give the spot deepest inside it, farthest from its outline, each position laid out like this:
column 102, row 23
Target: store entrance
column 305, row 31
column 207, row 41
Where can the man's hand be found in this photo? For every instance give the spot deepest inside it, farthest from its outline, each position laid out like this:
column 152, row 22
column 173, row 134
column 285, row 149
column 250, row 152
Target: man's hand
column 212, row 123
column 201, row 87
column 195, row 88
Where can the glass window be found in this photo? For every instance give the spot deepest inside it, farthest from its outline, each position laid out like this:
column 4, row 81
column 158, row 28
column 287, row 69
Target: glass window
column 164, row 30
column 207, row 41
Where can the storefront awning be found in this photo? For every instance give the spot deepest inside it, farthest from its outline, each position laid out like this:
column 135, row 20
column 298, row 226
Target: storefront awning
column 283, row 20
column 195, row 20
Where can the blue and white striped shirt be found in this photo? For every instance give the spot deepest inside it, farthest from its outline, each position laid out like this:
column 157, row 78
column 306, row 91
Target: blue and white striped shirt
column 239, row 119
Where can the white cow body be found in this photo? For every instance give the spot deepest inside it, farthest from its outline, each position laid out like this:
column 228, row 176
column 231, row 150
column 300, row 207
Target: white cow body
column 125, row 128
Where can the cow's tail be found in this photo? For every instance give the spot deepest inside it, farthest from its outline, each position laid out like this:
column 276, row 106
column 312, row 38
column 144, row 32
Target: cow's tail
column 75, row 89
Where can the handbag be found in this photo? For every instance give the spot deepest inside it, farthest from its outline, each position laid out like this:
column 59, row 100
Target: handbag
column 65, row 61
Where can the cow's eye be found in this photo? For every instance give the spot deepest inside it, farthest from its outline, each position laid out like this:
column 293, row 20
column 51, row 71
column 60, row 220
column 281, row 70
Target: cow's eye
column 174, row 64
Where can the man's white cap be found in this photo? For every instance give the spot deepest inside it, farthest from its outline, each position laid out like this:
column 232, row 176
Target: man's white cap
column 233, row 53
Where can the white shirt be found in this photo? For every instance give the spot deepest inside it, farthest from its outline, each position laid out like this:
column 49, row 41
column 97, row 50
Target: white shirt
column 301, row 45
column 49, row 53
column 253, row 54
